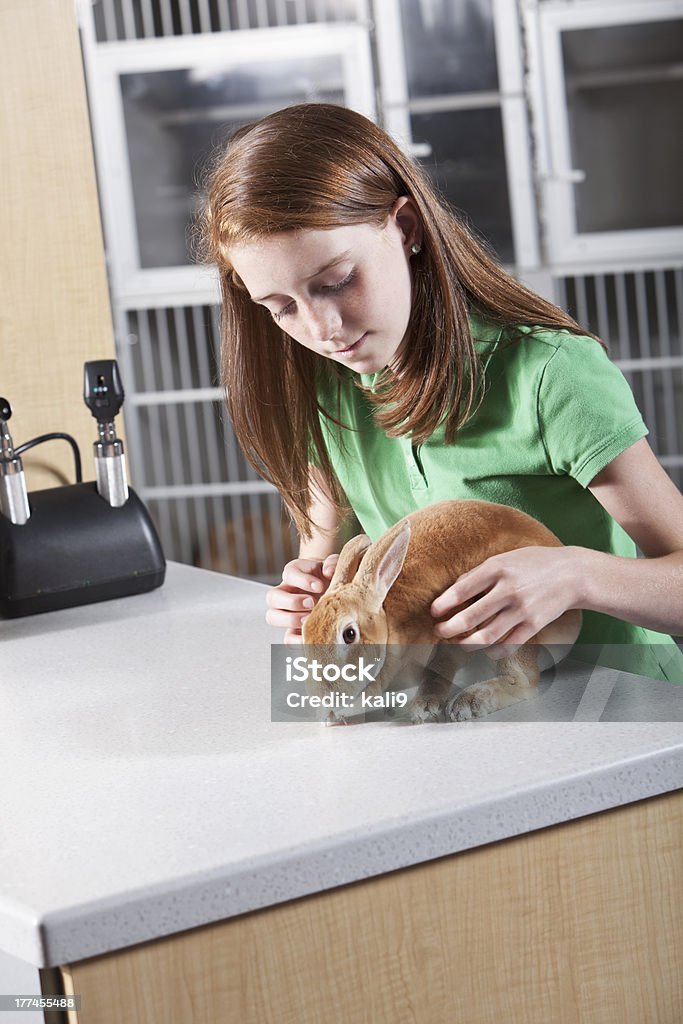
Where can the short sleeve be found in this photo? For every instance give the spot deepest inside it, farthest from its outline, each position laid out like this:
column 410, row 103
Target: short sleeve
column 587, row 414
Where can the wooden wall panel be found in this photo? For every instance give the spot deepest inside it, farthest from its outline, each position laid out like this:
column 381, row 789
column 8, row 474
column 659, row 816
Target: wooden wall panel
column 54, row 301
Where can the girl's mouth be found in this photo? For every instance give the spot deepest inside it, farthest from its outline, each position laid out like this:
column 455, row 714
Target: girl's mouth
column 352, row 348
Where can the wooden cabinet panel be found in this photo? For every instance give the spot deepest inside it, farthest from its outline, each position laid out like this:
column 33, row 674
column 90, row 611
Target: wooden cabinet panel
column 579, row 922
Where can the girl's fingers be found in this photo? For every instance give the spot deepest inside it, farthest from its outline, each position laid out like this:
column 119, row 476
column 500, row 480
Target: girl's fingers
column 470, row 585
column 303, row 582
column 329, row 565
column 471, row 618
column 287, row 599
column 293, row 636
column 288, row 620
column 500, row 628
column 304, row 574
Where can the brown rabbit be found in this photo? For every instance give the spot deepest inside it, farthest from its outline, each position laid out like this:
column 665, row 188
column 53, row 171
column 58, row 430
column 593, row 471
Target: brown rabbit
column 381, row 594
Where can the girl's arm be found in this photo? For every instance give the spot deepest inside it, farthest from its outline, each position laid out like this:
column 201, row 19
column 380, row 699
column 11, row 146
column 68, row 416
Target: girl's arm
column 305, row 578
column 519, row 592
column 637, row 492
column 326, row 534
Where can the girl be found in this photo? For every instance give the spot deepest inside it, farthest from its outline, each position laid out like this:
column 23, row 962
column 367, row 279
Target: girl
column 376, row 360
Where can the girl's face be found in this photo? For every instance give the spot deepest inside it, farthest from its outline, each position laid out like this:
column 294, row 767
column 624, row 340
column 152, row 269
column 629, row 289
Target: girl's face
column 344, row 293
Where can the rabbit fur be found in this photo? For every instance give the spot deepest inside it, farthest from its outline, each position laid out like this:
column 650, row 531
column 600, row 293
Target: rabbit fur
column 382, row 592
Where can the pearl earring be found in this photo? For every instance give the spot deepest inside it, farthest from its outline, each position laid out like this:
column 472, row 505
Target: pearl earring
column 415, row 248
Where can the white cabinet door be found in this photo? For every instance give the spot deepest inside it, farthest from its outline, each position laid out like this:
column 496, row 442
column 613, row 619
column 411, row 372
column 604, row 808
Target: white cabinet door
column 609, row 97
column 160, row 107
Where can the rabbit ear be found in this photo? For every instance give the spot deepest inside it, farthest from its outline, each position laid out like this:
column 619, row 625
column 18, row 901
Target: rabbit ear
column 382, row 564
column 349, row 560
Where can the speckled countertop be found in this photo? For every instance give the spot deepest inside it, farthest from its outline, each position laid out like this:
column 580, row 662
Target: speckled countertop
column 144, row 789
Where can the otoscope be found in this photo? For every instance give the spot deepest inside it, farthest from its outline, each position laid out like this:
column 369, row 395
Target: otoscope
column 13, row 494
column 78, row 543
column 103, row 394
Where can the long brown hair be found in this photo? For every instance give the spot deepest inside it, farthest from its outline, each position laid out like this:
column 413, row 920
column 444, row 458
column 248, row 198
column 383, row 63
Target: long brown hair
column 318, row 166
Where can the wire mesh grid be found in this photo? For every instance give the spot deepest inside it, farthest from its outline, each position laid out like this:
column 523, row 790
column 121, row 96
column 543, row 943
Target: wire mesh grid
column 118, row 20
column 210, row 506
column 639, row 315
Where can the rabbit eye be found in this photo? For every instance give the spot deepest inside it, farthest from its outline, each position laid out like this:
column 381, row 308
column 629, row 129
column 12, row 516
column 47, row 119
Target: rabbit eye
column 349, row 635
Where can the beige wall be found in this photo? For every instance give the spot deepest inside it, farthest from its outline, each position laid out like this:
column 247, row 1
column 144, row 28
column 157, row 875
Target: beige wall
column 54, row 302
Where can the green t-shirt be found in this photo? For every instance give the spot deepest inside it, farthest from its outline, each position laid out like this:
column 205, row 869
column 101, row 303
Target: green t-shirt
column 555, row 412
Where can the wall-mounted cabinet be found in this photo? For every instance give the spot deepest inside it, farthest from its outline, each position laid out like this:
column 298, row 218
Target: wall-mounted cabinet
column 160, row 107
column 609, row 95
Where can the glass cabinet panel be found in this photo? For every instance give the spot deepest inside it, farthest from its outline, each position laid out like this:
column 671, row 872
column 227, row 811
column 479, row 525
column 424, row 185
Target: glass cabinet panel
column 449, row 47
column 174, row 119
column 624, row 94
column 467, row 164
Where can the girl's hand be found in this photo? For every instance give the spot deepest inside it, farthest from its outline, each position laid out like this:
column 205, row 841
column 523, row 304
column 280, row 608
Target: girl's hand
column 304, row 580
column 515, row 594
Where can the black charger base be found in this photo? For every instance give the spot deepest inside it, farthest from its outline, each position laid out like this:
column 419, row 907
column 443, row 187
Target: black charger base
column 76, row 549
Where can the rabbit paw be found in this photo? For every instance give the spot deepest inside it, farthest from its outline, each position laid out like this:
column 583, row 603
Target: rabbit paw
column 333, row 719
column 425, row 709
column 475, row 702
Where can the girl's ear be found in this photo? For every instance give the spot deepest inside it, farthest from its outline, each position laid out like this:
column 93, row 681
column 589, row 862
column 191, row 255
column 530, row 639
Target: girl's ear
column 408, row 219
column 381, row 565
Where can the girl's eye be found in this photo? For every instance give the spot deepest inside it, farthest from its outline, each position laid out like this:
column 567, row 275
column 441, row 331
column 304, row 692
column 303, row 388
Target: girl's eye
column 340, row 284
column 289, row 308
column 349, row 635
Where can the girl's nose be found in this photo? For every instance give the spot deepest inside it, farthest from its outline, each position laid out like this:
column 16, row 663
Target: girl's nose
column 323, row 320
